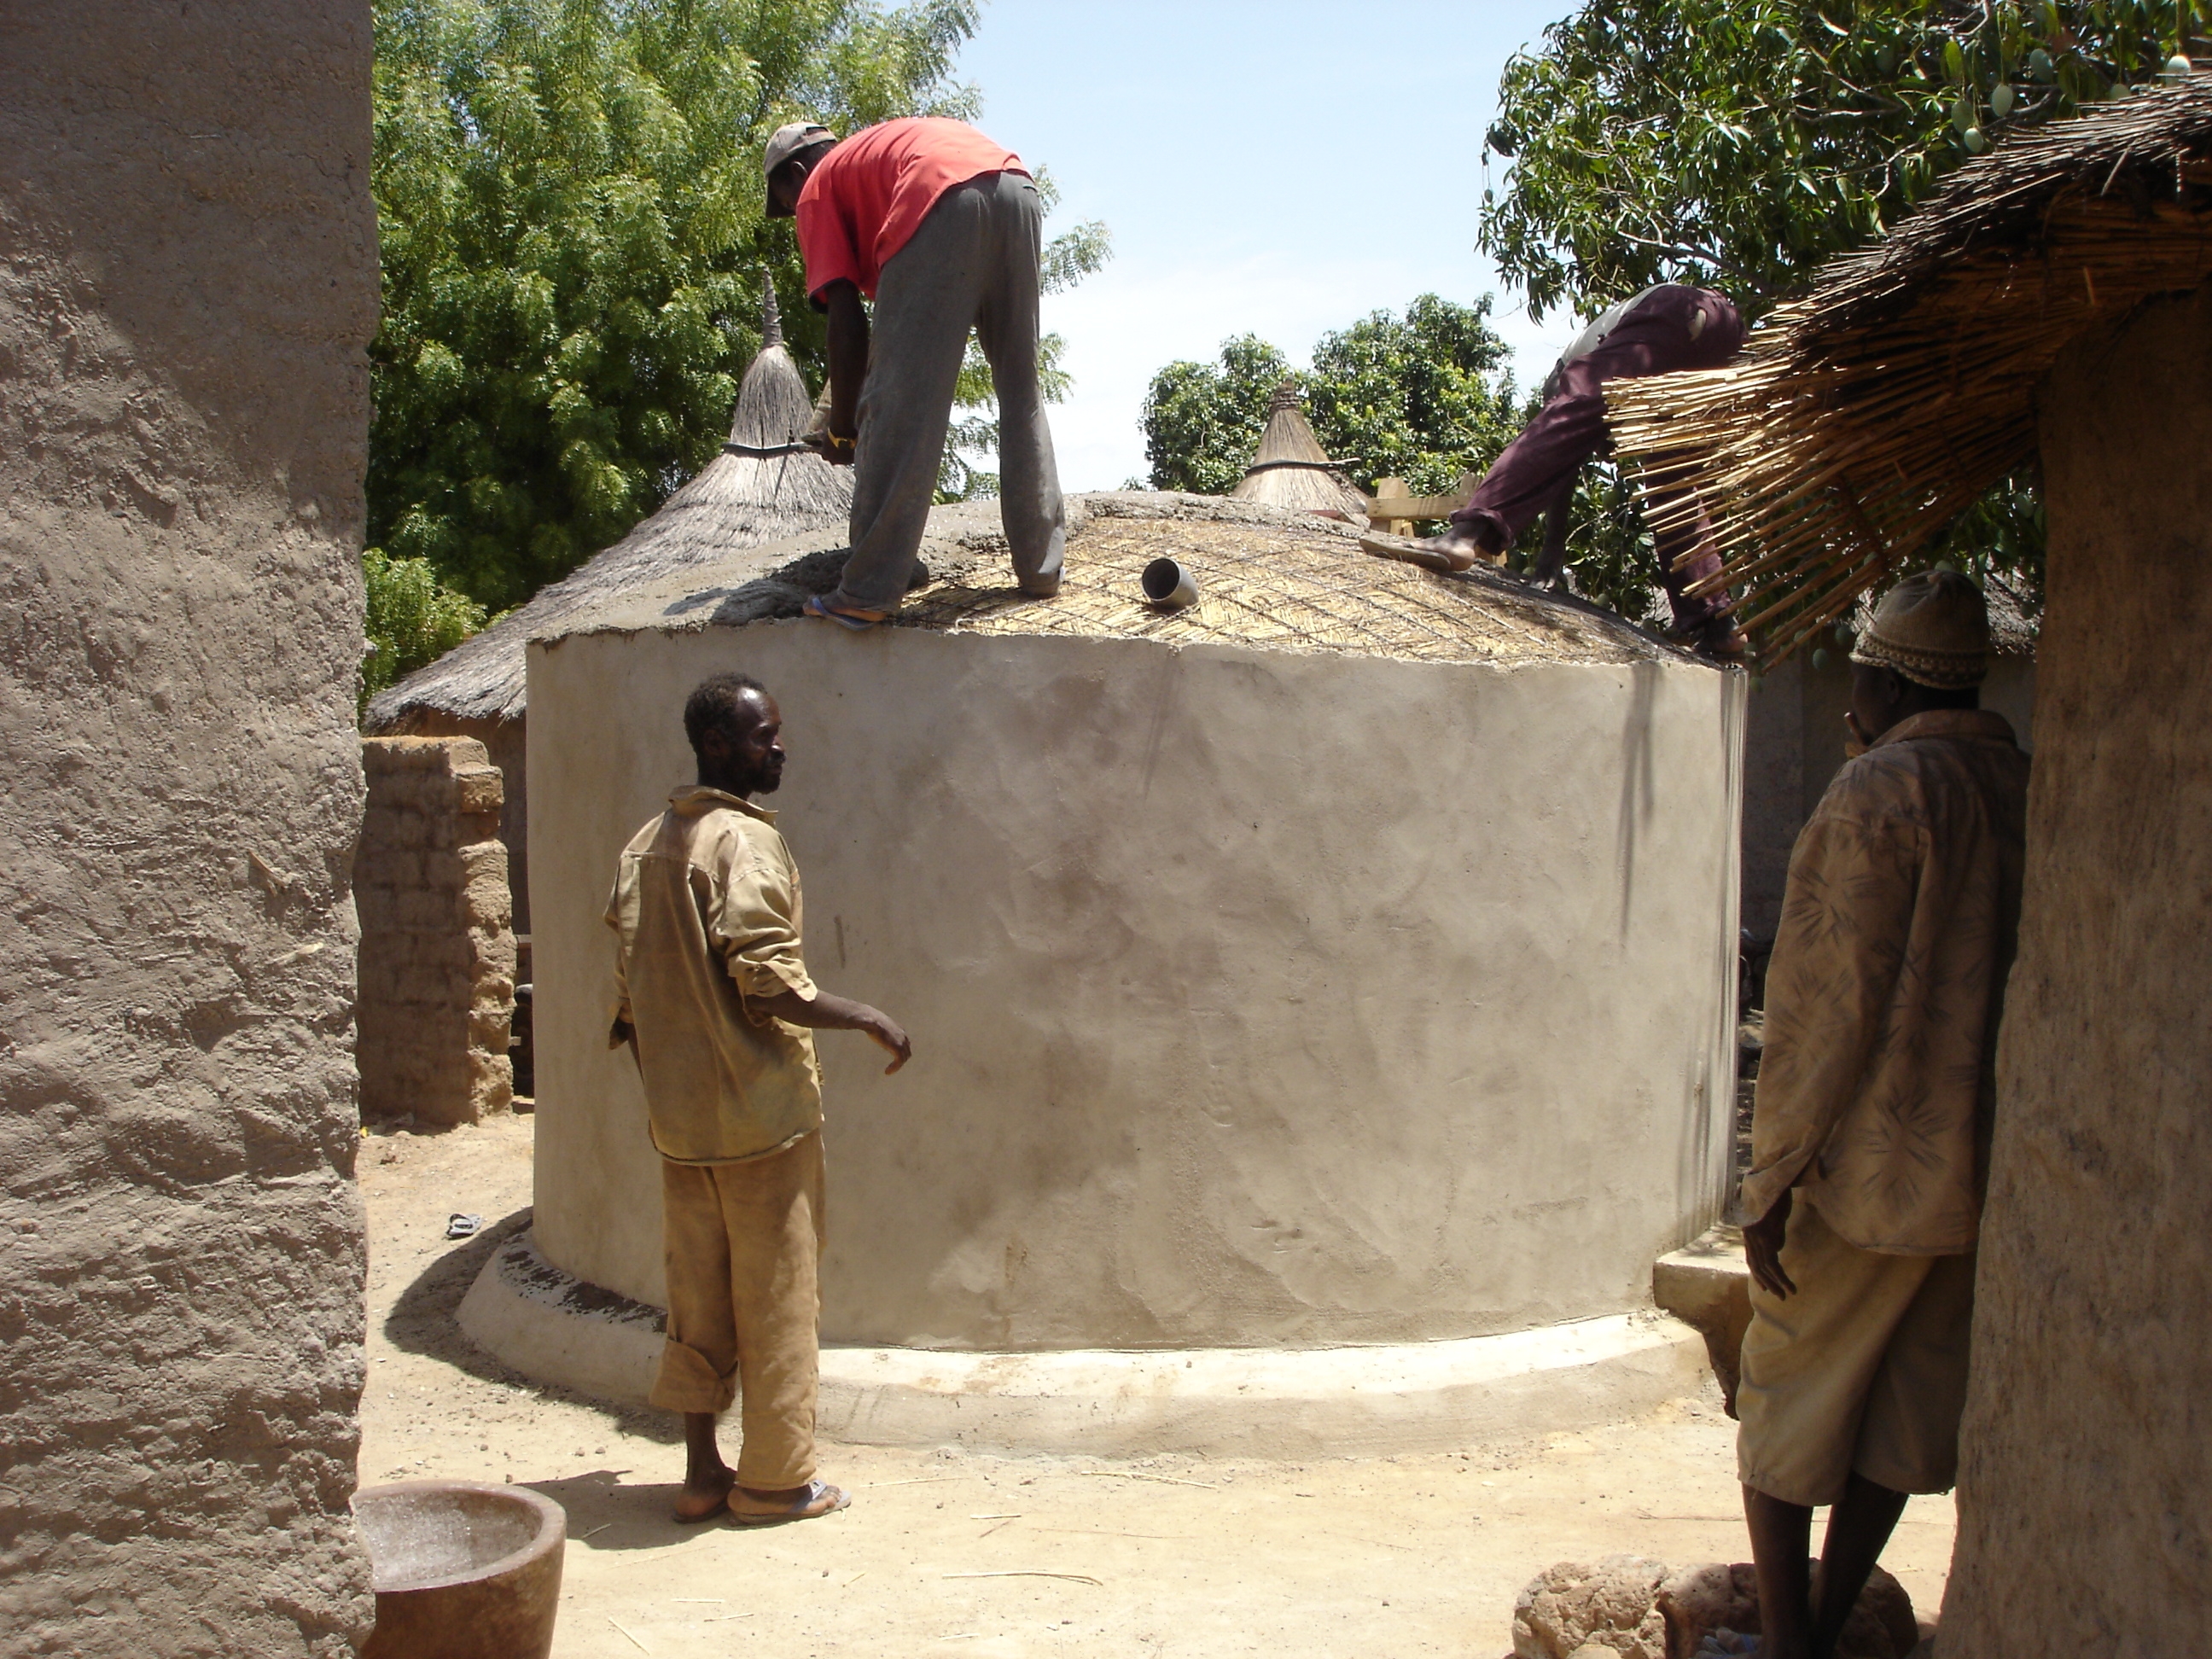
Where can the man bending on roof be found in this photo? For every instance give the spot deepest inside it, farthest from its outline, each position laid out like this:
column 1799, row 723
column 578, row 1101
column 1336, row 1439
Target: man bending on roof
column 1870, row 1132
column 1665, row 328
column 943, row 229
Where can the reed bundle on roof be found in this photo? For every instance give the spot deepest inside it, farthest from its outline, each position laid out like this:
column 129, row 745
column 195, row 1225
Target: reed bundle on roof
column 1292, row 470
column 764, row 486
column 1865, row 417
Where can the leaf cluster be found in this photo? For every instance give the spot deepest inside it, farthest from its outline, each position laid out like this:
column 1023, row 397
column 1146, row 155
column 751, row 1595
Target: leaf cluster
column 1418, row 397
column 1737, row 143
column 570, row 207
column 413, row 619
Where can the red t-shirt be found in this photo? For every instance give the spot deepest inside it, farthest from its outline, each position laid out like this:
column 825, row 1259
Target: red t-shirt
column 869, row 195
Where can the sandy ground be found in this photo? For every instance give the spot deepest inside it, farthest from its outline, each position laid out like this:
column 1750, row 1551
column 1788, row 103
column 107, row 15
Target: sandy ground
column 950, row 1553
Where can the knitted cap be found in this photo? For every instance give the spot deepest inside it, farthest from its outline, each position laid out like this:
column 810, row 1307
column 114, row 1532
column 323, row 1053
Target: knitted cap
column 1934, row 628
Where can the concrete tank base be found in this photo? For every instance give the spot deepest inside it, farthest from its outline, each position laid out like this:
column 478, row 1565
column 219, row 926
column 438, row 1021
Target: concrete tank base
column 1255, row 1403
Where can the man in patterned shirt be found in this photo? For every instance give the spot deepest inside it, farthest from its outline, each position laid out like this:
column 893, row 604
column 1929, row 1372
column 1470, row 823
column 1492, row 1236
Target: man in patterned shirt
column 1871, row 1129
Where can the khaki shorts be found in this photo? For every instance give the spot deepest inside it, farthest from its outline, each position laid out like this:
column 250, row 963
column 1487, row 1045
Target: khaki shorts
column 1863, row 1371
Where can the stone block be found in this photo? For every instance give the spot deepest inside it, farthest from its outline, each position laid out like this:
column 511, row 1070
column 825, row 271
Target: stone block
column 1698, row 1601
column 1707, row 1285
column 478, row 789
column 1608, row 1604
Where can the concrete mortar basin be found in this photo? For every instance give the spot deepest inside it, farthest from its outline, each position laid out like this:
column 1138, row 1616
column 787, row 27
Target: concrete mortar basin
column 462, row 1571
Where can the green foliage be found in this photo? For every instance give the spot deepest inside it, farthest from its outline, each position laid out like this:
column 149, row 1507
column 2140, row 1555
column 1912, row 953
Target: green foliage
column 1413, row 398
column 1424, row 397
column 1410, row 398
column 569, row 201
column 1739, row 142
column 1202, row 423
column 413, row 619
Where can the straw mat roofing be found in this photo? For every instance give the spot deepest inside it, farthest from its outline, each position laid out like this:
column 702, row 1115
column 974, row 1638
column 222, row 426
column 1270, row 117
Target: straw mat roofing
column 761, row 487
column 1266, row 579
column 1292, row 470
column 1864, row 418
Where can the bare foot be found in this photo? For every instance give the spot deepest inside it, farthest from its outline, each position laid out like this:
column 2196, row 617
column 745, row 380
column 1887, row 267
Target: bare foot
column 704, row 1496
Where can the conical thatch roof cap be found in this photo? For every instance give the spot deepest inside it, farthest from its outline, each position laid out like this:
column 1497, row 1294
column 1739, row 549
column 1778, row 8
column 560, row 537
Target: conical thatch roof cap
column 1292, row 470
column 764, row 485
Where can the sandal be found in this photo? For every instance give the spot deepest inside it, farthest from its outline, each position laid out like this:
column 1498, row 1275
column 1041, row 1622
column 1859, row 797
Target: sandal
column 857, row 622
column 817, row 1498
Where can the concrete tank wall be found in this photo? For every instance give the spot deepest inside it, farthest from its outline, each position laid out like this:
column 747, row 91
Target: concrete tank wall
column 1257, row 998
column 2082, row 1527
column 188, row 285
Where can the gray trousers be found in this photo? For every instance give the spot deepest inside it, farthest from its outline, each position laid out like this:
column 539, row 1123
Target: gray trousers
column 975, row 260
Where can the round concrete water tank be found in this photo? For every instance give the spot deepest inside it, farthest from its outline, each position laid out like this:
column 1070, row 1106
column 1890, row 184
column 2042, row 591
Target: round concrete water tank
column 1345, row 958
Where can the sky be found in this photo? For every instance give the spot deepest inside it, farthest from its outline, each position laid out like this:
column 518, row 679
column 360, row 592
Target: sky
column 1281, row 169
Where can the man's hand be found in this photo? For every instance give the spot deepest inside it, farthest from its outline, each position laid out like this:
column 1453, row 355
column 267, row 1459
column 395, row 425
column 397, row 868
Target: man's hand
column 1762, row 1247
column 826, row 1012
column 886, row 1032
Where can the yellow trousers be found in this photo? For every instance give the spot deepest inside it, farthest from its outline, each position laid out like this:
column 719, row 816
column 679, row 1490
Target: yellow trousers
column 741, row 1242
column 1863, row 1369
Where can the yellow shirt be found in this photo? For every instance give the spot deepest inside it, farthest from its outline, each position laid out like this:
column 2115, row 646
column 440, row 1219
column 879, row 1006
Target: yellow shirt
column 1898, row 925
column 706, row 913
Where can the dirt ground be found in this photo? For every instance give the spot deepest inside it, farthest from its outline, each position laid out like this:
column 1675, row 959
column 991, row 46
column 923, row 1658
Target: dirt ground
column 972, row 1557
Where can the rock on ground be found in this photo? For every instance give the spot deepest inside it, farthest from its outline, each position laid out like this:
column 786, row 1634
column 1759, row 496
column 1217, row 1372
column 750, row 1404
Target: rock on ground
column 1604, row 1610
column 1717, row 1596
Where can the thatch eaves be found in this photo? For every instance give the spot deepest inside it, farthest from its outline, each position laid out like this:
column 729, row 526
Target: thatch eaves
column 764, row 487
column 1865, row 417
column 1292, row 470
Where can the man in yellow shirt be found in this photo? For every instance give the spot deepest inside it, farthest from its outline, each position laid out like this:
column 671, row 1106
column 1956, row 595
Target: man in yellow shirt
column 1871, row 1129
column 715, row 999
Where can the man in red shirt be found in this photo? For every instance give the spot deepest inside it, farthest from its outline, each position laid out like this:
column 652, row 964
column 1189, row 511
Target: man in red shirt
column 943, row 229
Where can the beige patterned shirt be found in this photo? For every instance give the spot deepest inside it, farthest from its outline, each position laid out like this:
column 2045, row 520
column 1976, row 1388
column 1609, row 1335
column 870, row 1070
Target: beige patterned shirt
column 707, row 913
column 1898, row 924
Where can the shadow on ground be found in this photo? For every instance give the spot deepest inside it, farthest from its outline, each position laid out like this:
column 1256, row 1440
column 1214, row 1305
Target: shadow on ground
column 424, row 1320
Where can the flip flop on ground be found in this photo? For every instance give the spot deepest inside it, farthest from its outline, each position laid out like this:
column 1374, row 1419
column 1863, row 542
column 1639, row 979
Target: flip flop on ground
column 815, row 1497
column 852, row 620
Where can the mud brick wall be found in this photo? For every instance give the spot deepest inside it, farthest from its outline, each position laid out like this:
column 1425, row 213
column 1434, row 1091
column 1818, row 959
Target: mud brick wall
column 437, row 945
column 188, row 288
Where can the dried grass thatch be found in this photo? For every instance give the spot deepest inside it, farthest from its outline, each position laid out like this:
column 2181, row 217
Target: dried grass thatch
column 1864, row 418
column 764, row 487
column 1268, row 579
column 1292, row 470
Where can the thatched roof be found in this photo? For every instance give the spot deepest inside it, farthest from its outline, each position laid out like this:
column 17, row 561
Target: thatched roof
column 1865, row 417
column 1292, row 470
column 763, row 487
column 1268, row 579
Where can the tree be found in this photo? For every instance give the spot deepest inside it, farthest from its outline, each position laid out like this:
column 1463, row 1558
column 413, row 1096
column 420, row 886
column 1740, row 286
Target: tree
column 1739, row 142
column 413, row 619
column 1424, row 397
column 569, row 198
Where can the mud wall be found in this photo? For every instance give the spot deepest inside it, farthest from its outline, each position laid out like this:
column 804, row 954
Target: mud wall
column 437, row 956
column 187, row 286
column 506, row 743
column 2082, row 1527
column 1257, row 998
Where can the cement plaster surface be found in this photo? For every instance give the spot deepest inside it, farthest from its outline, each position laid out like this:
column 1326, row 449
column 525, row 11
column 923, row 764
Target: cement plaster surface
column 1213, row 1402
column 188, row 284
column 1258, row 998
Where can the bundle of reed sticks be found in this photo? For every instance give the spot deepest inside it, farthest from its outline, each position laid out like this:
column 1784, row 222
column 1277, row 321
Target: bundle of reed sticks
column 1864, row 418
